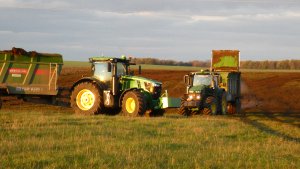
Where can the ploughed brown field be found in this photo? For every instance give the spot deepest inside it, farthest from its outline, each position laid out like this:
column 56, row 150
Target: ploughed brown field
column 267, row 92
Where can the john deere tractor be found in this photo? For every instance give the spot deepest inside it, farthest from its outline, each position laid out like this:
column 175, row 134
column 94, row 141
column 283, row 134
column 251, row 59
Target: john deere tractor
column 214, row 91
column 203, row 94
column 112, row 88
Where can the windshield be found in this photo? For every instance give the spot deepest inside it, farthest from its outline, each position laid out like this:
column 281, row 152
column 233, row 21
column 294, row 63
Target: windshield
column 100, row 71
column 202, row 80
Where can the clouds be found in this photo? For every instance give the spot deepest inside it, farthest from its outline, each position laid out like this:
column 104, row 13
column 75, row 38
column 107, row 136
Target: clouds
column 170, row 29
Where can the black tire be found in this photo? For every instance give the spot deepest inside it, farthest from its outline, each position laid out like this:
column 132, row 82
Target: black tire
column 235, row 107
column 134, row 104
column 223, row 104
column 211, row 106
column 231, row 108
column 184, row 110
column 87, row 99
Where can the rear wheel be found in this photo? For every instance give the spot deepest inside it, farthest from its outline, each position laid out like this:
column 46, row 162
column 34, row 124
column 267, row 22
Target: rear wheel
column 133, row 104
column 87, row 99
column 211, row 106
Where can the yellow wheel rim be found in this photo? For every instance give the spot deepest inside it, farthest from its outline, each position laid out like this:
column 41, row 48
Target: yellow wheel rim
column 130, row 105
column 85, row 99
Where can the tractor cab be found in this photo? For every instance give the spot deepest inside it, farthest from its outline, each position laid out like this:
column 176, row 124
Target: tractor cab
column 104, row 67
column 197, row 80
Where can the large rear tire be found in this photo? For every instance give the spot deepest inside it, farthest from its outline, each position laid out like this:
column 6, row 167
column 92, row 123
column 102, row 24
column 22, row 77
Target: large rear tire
column 87, row 99
column 134, row 104
column 211, row 106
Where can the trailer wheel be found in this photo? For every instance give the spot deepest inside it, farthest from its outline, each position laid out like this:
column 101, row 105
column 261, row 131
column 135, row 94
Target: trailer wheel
column 211, row 106
column 134, row 104
column 87, row 99
column 184, row 110
column 223, row 104
column 231, row 108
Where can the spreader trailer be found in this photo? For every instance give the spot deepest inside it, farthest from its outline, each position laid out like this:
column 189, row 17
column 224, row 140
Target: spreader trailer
column 214, row 91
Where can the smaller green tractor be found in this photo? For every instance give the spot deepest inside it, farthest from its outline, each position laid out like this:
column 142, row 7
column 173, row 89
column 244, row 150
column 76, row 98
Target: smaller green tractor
column 112, row 88
column 215, row 91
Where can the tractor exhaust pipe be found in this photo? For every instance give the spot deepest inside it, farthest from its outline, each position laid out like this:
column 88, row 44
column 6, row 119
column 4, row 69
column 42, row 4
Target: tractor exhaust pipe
column 115, row 84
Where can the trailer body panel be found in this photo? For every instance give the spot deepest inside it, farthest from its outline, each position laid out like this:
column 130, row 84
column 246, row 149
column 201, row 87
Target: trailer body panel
column 29, row 73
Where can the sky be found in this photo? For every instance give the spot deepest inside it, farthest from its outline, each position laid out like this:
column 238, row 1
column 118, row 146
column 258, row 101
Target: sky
column 181, row 30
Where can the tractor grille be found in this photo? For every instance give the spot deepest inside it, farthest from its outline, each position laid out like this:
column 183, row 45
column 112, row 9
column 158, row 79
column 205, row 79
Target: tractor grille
column 156, row 92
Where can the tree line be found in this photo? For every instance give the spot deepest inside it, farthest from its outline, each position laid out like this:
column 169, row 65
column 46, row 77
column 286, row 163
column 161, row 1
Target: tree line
column 266, row 64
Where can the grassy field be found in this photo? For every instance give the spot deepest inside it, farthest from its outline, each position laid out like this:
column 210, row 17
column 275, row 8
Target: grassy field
column 43, row 137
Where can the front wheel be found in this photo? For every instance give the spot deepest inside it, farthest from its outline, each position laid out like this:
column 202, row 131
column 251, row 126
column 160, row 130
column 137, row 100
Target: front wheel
column 134, row 104
column 183, row 110
column 86, row 98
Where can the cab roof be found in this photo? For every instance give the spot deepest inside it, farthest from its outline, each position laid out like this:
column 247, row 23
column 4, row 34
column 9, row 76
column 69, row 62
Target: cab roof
column 123, row 59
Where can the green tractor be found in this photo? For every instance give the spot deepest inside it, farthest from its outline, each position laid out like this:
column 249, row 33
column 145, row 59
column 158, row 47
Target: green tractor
column 215, row 91
column 203, row 94
column 112, row 88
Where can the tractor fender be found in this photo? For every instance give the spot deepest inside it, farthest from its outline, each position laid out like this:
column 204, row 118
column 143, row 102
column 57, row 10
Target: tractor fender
column 87, row 79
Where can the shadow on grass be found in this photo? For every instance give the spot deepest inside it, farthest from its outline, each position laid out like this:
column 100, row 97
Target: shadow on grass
column 266, row 129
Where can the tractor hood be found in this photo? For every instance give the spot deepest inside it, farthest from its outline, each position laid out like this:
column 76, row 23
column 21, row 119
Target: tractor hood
column 197, row 89
column 138, row 78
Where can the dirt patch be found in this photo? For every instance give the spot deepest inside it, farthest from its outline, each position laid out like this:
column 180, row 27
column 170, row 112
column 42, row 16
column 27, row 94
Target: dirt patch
column 261, row 92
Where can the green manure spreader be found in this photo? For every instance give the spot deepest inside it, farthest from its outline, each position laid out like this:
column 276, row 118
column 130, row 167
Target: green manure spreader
column 111, row 88
column 29, row 74
column 214, row 91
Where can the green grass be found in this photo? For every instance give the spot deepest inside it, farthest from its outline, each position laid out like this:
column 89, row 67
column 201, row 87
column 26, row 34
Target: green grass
column 56, row 138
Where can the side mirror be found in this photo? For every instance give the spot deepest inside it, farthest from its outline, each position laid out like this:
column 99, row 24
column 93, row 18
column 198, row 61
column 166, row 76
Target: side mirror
column 108, row 67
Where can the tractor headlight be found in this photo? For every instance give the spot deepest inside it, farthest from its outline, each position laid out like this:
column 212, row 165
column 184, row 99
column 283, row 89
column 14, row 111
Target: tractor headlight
column 194, row 96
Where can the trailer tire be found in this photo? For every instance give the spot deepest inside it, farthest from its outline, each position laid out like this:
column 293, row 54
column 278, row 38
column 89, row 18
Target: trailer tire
column 87, row 99
column 211, row 106
column 184, row 110
column 134, row 104
column 234, row 107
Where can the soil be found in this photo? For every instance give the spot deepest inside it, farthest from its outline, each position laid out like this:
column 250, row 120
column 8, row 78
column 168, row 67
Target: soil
column 261, row 91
